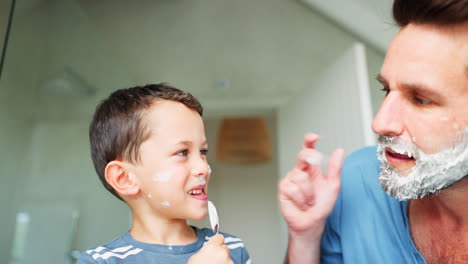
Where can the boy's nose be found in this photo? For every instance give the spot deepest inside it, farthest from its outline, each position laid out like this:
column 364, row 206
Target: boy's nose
column 389, row 119
column 200, row 168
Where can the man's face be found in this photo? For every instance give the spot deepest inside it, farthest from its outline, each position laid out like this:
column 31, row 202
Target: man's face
column 423, row 120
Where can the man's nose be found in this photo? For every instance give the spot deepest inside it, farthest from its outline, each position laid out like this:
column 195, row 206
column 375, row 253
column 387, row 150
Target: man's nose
column 389, row 119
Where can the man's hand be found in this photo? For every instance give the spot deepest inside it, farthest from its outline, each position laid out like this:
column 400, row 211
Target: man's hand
column 214, row 251
column 307, row 196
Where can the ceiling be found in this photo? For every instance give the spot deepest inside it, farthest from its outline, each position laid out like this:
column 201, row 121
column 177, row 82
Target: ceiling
column 131, row 34
column 369, row 20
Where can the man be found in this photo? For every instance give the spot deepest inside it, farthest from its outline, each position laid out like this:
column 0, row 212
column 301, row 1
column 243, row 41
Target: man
column 405, row 201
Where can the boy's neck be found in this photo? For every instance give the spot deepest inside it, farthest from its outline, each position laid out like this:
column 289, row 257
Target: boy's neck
column 154, row 230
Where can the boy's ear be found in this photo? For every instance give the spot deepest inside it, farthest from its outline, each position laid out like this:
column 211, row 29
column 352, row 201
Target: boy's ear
column 121, row 179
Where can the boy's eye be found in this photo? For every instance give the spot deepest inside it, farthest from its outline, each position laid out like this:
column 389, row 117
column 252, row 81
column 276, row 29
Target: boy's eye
column 386, row 90
column 182, row 153
column 204, row 152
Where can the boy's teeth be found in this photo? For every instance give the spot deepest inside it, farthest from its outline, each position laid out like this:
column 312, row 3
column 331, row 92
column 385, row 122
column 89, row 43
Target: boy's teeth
column 195, row 191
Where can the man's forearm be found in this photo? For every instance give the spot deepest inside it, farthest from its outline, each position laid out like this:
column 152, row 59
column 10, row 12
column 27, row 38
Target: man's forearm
column 303, row 249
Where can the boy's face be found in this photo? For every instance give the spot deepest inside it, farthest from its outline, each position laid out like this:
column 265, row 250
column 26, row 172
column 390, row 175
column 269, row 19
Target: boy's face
column 173, row 173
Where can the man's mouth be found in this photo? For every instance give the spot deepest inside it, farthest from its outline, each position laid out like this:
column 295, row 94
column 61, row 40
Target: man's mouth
column 404, row 156
column 198, row 192
column 399, row 159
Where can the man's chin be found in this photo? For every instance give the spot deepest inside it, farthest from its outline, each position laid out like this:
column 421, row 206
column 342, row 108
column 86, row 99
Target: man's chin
column 401, row 184
column 430, row 173
column 389, row 181
column 406, row 187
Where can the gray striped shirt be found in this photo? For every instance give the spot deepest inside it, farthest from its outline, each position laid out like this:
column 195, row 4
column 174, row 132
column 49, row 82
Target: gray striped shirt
column 125, row 249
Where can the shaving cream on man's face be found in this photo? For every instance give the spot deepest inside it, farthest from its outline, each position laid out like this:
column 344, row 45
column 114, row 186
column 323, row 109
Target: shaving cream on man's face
column 431, row 172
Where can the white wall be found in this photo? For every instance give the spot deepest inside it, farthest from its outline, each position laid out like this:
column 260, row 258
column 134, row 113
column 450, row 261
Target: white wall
column 374, row 61
column 331, row 107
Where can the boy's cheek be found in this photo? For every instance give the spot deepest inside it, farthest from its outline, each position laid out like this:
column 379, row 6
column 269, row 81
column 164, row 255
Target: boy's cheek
column 163, row 175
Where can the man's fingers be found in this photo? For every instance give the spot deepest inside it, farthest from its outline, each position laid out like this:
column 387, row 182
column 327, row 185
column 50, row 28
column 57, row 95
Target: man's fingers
column 335, row 164
column 309, row 140
column 292, row 192
column 305, row 184
column 309, row 160
column 308, row 155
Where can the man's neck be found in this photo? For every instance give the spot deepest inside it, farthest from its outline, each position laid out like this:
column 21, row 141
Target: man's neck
column 450, row 206
column 439, row 224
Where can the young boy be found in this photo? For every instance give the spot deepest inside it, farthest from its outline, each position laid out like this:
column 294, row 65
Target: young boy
column 149, row 149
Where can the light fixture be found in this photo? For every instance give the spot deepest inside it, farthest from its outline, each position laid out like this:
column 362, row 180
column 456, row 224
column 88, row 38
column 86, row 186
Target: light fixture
column 243, row 140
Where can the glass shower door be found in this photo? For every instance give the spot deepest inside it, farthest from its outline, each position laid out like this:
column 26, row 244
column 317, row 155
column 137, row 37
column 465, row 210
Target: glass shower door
column 52, row 204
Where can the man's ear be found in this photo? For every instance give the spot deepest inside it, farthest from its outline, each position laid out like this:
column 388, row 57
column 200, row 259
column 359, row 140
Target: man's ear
column 118, row 176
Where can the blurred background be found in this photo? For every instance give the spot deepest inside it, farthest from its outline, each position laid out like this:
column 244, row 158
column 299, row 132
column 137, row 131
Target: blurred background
column 266, row 71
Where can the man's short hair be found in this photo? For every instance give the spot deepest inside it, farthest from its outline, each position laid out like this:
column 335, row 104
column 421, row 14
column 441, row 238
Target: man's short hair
column 118, row 127
column 434, row 12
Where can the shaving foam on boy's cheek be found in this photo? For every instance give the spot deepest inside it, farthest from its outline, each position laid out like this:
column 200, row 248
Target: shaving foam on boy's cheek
column 163, row 176
column 166, row 204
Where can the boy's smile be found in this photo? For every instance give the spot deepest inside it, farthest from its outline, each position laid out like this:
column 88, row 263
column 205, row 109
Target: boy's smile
column 173, row 171
column 199, row 193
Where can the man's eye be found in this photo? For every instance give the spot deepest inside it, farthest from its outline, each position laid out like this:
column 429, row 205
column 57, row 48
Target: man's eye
column 182, row 152
column 421, row 101
column 204, row 152
column 386, row 90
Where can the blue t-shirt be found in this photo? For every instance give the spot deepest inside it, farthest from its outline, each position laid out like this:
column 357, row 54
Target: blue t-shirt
column 125, row 249
column 367, row 225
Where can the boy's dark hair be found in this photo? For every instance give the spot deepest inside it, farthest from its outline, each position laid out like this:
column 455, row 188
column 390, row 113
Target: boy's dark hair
column 119, row 128
column 434, row 12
